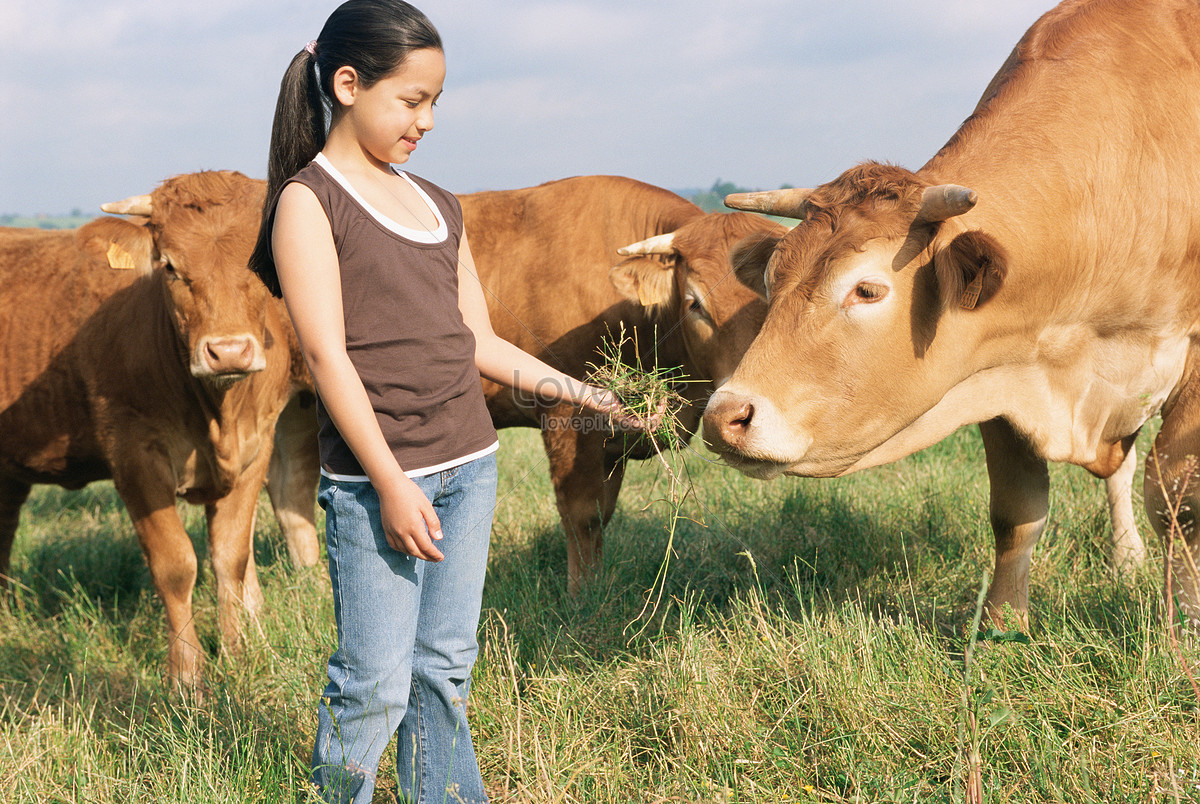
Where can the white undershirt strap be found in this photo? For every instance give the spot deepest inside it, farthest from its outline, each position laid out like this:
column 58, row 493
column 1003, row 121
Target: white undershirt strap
column 437, row 235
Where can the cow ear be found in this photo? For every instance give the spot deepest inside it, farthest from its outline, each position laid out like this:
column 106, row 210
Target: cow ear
column 749, row 258
column 124, row 245
column 970, row 270
column 647, row 282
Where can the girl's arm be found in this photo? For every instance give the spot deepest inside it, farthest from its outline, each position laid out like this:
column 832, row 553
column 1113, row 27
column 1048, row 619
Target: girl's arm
column 502, row 362
column 307, row 264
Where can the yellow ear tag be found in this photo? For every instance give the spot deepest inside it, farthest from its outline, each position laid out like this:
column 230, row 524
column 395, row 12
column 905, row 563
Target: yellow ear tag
column 119, row 258
column 970, row 296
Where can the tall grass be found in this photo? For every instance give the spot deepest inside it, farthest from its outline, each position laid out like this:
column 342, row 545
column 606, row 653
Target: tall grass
column 809, row 647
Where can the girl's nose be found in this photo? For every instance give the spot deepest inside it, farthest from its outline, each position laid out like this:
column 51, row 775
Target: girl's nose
column 425, row 120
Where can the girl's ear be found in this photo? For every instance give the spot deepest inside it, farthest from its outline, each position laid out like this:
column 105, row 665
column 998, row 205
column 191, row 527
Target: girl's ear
column 345, row 85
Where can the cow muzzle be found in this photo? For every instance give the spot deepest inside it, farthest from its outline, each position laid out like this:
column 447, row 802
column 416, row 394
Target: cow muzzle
column 227, row 357
column 747, row 431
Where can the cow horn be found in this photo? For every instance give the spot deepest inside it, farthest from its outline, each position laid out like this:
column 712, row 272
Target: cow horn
column 788, row 203
column 659, row 244
column 134, row 205
column 945, row 201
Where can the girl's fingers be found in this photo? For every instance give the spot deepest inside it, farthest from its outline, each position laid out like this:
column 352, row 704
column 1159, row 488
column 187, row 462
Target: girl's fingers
column 623, row 418
column 416, row 538
column 428, row 550
column 606, row 401
column 410, row 523
column 428, row 530
column 417, row 545
column 432, row 522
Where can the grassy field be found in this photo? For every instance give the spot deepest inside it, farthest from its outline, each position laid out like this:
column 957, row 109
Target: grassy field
column 807, row 647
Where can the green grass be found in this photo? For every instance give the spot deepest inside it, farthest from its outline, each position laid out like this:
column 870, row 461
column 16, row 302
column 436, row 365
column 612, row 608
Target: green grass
column 807, row 647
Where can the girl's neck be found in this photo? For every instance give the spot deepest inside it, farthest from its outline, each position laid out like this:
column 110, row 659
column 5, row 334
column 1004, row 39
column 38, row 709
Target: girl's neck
column 343, row 149
column 377, row 183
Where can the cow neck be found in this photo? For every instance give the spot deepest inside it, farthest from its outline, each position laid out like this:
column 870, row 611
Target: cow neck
column 216, row 405
column 221, row 405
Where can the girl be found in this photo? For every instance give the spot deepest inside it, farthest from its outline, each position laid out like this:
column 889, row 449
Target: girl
column 374, row 266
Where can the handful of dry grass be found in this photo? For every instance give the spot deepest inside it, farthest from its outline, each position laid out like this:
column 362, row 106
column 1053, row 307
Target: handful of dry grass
column 649, row 393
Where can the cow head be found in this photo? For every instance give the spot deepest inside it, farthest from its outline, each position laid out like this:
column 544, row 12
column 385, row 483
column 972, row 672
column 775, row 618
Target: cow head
column 201, row 228
column 873, row 319
column 696, row 277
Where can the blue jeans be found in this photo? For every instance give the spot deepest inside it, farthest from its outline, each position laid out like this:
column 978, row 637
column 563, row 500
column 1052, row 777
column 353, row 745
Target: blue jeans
column 406, row 642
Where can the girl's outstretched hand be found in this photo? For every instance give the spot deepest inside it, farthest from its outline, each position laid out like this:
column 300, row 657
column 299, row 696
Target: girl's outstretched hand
column 606, row 402
column 409, row 521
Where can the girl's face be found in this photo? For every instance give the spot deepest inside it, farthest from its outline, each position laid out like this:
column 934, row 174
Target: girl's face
column 391, row 115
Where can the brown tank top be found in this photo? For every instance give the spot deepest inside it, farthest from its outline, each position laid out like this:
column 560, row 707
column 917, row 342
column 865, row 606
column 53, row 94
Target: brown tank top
column 405, row 334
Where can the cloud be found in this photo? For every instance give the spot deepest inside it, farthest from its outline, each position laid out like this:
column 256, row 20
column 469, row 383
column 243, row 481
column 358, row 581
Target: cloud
column 104, row 100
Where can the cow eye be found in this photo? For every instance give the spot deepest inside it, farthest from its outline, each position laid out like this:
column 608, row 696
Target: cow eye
column 694, row 306
column 867, row 292
column 173, row 275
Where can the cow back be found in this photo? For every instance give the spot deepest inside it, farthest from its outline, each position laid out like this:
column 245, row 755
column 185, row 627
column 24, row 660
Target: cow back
column 544, row 254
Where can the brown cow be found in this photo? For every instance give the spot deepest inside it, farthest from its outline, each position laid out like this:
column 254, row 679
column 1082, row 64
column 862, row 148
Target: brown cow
column 1056, row 302
column 166, row 377
column 546, row 258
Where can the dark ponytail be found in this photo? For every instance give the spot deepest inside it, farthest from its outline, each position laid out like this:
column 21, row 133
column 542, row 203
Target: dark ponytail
column 372, row 36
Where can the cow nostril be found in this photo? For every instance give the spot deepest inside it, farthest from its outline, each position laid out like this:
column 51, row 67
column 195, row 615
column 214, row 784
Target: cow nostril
column 229, row 354
column 741, row 418
column 727, row 421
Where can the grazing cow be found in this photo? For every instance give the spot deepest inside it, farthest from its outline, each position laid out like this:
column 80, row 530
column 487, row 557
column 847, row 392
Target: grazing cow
column 1039, row 276
column 556, row 285
column 166, row 376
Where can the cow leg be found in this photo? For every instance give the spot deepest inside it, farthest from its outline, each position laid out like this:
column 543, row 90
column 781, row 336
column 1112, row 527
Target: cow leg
column 231, row 542
column 13, row 494
column 1020, row 502
column 1128, row 549
column 585, row 490
column 1172, row 491
column 172, row 562
column 292, row 481
column 252, row 595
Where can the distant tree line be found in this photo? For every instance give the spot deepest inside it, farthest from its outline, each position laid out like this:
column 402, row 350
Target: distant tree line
column 43, row 221
column 713, row 199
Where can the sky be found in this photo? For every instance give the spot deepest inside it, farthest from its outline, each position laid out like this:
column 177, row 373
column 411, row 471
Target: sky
column 103, row 99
